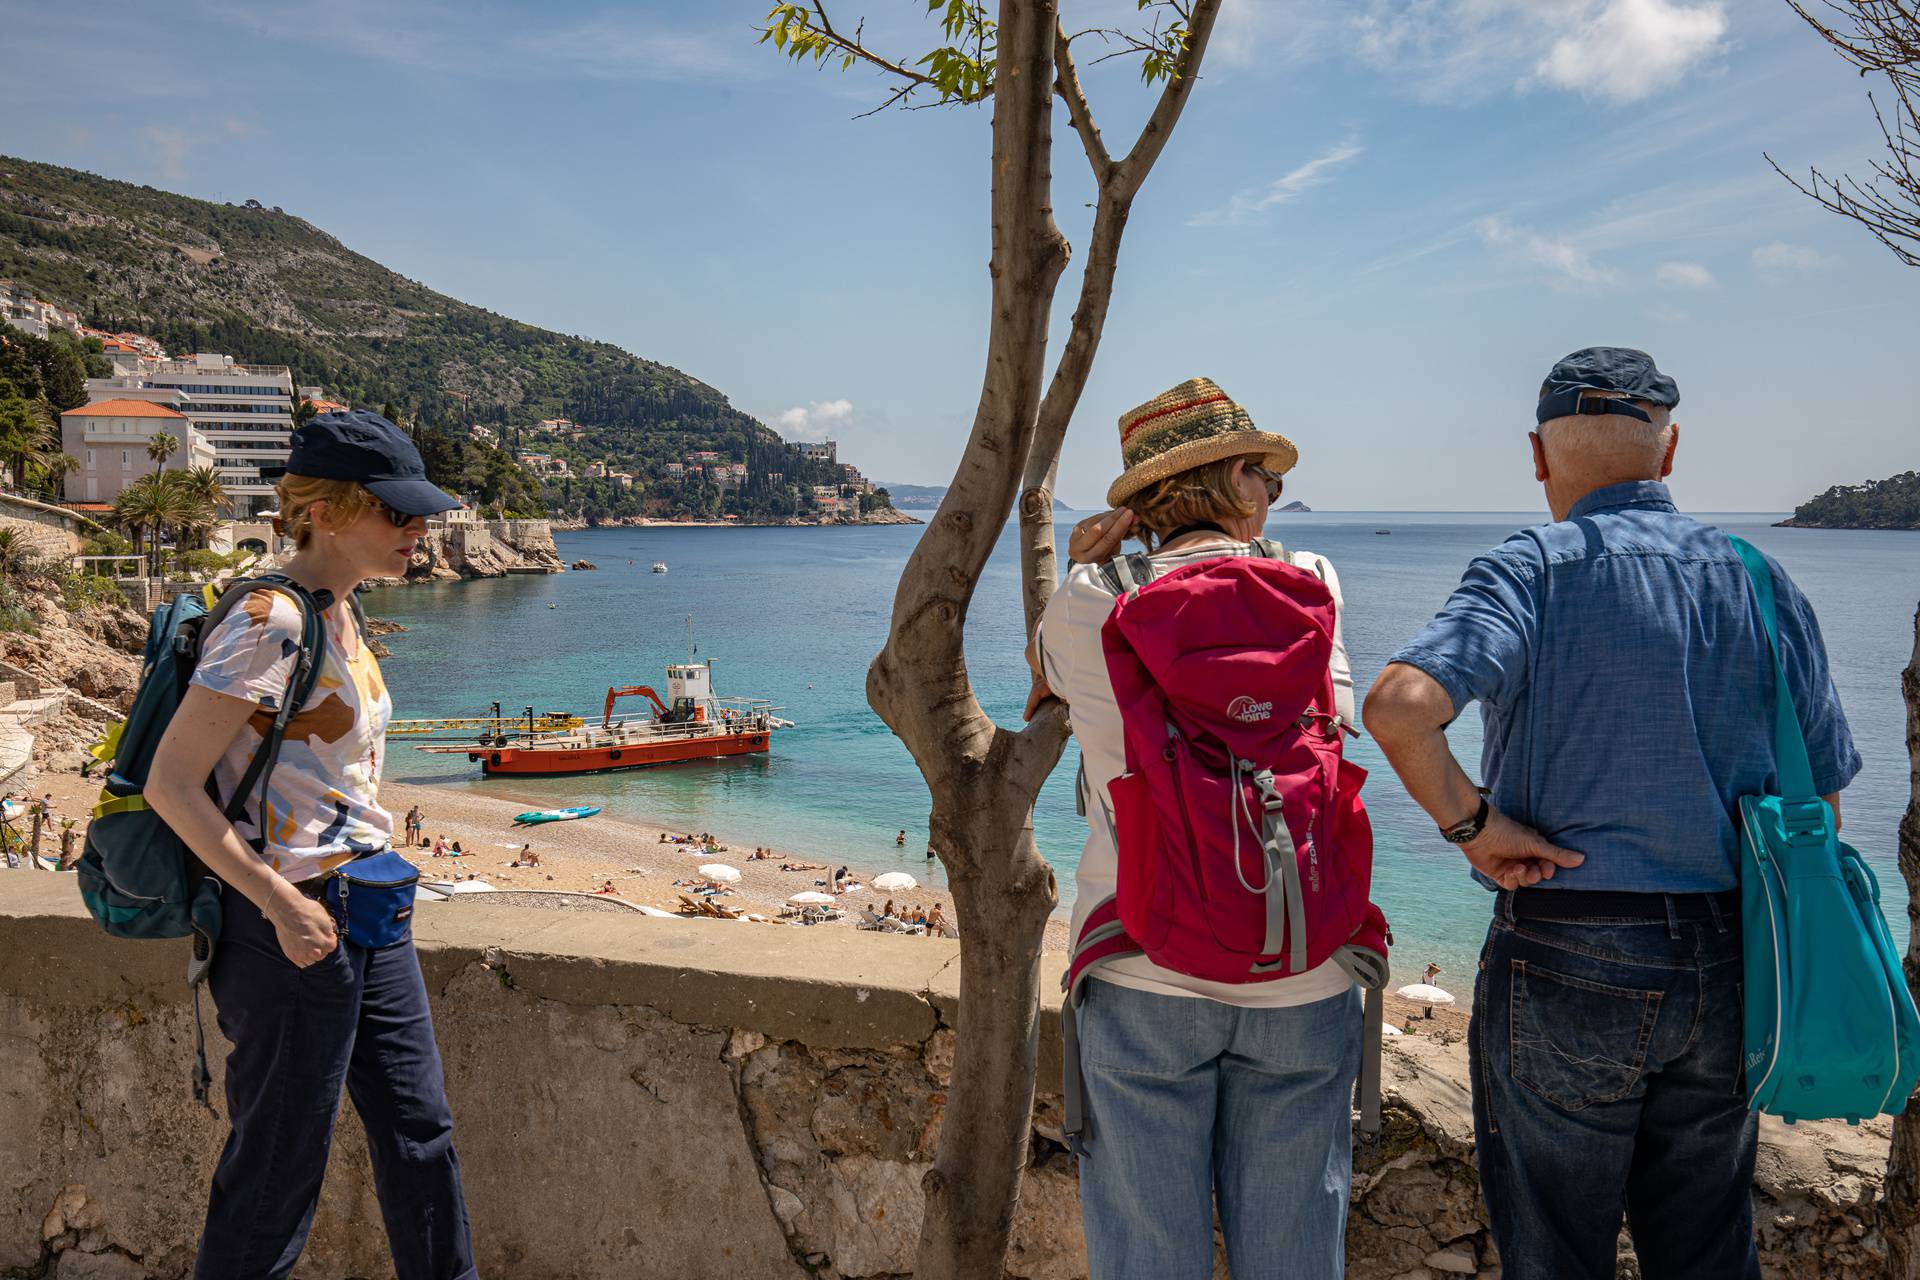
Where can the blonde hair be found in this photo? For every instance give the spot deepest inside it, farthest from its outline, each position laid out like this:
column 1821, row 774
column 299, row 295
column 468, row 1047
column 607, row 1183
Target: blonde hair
column 1203, row 493
column 345, row 501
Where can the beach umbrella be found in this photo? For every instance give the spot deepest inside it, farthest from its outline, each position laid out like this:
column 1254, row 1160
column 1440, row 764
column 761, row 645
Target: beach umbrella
column 895, row 880
column 1425, row 993
column 720, row 871
column 811, row 898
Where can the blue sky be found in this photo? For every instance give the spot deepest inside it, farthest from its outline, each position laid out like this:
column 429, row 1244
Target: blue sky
column 1377, row 226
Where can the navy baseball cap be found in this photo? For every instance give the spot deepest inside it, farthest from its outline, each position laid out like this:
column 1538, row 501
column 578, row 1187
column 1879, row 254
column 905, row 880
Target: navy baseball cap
column 1619, row 370
column 364, row 447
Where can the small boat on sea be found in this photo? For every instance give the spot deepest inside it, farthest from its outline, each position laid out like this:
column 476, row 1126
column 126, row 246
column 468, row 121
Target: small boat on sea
column 690, row 723
column 537, row 816
column 659, row 566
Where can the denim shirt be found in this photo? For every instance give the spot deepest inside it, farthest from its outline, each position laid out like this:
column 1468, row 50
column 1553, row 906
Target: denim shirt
column 1621, row 667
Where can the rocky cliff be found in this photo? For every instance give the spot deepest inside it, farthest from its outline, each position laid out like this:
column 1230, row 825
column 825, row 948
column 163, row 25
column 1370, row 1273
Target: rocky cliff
column 485, row 549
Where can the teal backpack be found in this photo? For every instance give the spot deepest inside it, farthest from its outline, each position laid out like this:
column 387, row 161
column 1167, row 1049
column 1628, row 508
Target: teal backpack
column 1831, row 1029
column 137, row 878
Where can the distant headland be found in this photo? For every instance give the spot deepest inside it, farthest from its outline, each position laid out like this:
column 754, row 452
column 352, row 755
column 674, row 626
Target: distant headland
column 1893, row 503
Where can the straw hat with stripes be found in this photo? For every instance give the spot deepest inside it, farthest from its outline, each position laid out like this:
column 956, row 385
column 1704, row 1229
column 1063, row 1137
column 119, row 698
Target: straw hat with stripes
column 1191, row 425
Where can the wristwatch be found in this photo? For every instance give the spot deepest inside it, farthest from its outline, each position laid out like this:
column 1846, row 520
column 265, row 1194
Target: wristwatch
column 1464, row 832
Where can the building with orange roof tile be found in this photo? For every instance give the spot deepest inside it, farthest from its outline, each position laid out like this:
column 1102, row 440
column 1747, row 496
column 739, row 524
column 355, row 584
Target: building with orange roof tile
column 109, row 438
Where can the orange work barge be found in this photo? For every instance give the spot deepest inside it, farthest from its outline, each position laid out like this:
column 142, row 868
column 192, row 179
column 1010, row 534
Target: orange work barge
column 689, row 724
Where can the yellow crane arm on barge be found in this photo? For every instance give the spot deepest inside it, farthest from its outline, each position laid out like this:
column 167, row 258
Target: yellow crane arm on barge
column 548, row 722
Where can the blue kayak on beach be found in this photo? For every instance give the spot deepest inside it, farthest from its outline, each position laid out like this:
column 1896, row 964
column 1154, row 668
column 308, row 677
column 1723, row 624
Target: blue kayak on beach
column 555, row 815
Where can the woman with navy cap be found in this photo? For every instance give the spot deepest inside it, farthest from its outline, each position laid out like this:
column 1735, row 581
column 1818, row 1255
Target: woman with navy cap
column 309, row 1009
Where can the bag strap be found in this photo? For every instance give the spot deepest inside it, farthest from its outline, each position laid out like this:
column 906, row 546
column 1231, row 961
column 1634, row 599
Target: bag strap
column 1128, row 573
column 306, row 674
column 1789, row 743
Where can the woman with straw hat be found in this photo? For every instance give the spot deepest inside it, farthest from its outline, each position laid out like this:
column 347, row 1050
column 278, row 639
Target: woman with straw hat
column 1206, row 1094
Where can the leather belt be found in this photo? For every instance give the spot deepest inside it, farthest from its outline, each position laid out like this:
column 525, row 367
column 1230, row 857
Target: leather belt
column 1612, row 904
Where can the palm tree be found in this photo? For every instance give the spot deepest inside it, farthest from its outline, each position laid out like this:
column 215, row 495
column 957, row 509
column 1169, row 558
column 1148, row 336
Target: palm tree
column 195, row 513
column 29, row 435
column 161, row 445
column 15, row 552
column 148, row 507
column 202, row 485
column 54, row 471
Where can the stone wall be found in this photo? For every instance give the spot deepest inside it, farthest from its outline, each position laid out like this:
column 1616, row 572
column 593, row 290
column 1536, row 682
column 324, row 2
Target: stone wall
column 638, row 1097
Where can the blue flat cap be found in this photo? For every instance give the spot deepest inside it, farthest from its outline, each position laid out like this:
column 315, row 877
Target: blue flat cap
column 1621, row 371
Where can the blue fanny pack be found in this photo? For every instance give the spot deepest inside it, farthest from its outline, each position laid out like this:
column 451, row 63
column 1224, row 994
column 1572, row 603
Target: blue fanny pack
column 371, row 899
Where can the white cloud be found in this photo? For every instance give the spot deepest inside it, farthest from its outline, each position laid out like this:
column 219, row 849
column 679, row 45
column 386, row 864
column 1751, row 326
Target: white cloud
column 813, row 421
column 1779, row 259
column 1464, row 50
column 1684, row 275
column 1630, row 48
column 1573, row 265
column 1247, row 206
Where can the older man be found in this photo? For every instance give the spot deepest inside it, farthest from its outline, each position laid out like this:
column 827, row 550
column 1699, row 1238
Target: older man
column 1621, row 666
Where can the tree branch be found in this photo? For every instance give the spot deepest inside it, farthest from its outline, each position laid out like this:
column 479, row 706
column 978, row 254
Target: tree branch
column 1066, row 83
column 1119, row 183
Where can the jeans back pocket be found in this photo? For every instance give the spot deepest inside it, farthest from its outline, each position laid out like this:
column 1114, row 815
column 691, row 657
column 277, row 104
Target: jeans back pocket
column 1575, row 1042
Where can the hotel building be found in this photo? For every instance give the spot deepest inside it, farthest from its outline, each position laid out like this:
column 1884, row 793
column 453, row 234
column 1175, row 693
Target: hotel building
column 244, row 411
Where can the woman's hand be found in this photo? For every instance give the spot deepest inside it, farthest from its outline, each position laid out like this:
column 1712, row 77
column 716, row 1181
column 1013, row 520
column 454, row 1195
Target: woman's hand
column 304, row 928
column 1098, row 538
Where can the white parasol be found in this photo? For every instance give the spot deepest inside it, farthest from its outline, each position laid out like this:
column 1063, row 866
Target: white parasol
column 895, row 880
column 811, row 898
column 720, row 871
column 1425, row 993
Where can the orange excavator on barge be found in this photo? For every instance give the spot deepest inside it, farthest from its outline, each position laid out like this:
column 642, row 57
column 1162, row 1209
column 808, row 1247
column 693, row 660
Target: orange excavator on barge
column 690, row 723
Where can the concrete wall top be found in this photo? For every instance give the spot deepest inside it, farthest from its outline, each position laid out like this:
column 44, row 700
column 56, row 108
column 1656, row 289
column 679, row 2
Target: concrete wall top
column 825, row 987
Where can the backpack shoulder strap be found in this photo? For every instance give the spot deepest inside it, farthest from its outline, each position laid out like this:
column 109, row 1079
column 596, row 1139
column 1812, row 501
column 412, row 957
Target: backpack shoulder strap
column 1128, row 573
column 1791, row 761
column 1268, row 549
column 306, row 673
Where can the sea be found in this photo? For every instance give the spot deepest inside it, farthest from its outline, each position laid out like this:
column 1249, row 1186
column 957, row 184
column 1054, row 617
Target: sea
column 795, row 615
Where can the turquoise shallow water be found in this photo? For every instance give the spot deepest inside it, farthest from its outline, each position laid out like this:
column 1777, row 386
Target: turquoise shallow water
column 796, row 614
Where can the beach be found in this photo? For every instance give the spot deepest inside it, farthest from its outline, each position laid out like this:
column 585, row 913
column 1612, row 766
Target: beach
column 583, row 854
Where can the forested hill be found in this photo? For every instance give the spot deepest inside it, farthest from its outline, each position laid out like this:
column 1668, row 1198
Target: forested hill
column 268, row 287
column 1893, row 503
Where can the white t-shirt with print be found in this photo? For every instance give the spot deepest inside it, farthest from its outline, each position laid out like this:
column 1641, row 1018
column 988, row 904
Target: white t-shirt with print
column 1076, row 671
column 322, row 805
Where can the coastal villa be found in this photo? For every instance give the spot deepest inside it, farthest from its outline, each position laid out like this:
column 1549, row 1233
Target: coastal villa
column 31, row 315
column 622, row 478
column 824, row 451
column 109, row 440
column 596, row 470
column 244, row 411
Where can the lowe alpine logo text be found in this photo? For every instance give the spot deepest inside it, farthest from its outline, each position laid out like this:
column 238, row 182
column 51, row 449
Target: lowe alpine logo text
column 1247, row 711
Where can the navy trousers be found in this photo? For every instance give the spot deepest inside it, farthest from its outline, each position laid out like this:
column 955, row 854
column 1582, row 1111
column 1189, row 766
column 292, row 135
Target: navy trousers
column 359, row 1020
column 1606, row 1064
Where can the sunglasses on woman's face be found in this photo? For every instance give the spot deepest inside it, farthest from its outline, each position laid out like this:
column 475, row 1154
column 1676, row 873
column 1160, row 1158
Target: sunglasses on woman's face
column 399, row 519
column 1271, row 480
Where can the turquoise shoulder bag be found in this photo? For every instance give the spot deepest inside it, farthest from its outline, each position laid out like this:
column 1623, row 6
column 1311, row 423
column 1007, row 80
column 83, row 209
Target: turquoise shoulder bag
column 1831, row 1029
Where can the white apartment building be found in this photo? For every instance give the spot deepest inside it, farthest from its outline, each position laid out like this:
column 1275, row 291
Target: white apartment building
column 30, row 315
column 824, row 451
column 109, row 440
column 244, row 411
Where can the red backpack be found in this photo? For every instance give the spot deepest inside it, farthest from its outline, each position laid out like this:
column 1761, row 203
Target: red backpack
column 1245, row 854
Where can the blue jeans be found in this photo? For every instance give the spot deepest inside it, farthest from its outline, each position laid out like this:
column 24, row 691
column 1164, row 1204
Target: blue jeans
column 1190, row 1099
column 357, row 1019
column 1606, row 1063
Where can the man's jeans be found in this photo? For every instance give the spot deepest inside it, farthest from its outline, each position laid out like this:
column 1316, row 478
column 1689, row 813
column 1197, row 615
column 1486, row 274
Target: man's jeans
column 1607, row 1078
column 1188, row 1098
column 358, row 1018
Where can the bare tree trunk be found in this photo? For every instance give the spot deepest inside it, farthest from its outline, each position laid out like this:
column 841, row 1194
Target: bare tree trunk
column 983, row 778
column 33, row 849
column 1900, row 1204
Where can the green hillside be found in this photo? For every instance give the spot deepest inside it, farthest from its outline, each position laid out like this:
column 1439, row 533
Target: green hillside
column 268, row 287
